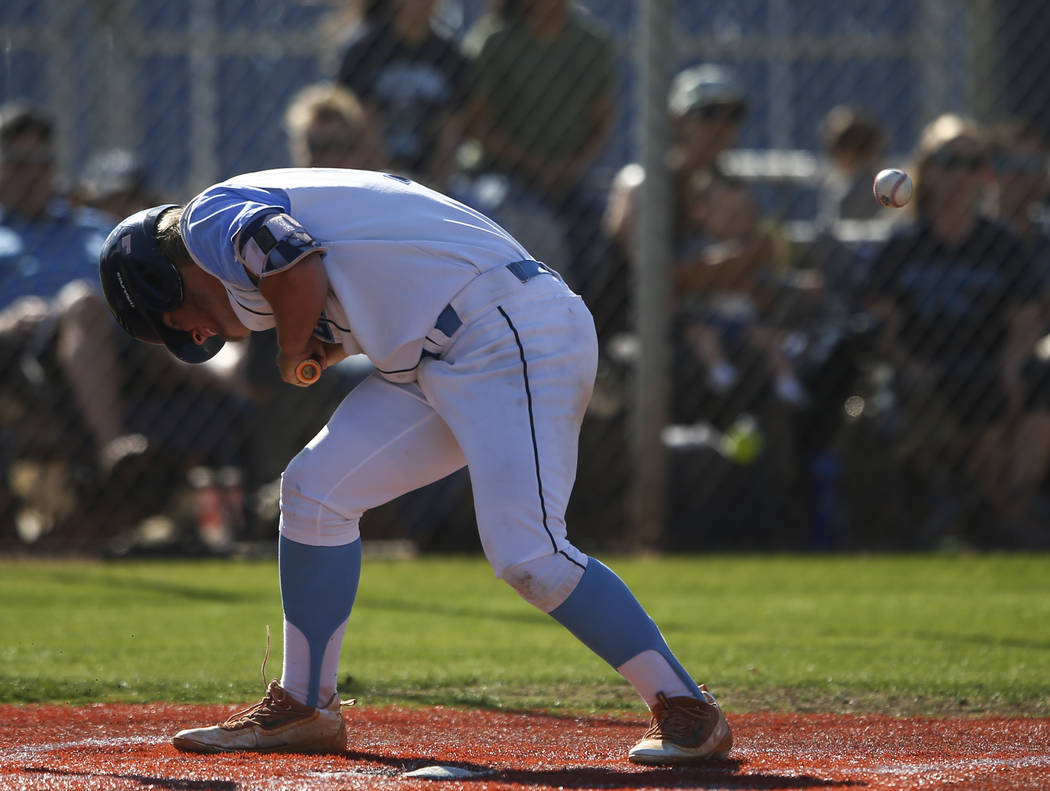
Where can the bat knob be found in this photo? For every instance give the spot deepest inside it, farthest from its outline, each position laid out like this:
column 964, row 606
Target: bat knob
column 308, row 372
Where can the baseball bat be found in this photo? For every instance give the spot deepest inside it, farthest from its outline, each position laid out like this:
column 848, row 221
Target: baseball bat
column 308, row 371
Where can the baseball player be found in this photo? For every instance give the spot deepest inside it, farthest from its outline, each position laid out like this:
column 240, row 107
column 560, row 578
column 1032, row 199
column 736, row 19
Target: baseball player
column 483, row 358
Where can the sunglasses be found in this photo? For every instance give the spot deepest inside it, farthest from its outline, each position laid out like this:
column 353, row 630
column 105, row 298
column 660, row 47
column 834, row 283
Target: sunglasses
column 1029, row 164
column 957, row 160
column 733, row 113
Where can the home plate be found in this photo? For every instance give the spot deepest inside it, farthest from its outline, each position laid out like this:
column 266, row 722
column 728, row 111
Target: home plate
column 439, row 772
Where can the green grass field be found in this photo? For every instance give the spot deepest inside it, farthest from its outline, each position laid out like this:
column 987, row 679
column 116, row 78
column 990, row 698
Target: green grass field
column 899, row 634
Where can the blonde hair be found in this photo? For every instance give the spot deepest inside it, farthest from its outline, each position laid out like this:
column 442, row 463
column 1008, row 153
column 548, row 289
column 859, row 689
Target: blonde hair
column 321, row 101
column 941, row 131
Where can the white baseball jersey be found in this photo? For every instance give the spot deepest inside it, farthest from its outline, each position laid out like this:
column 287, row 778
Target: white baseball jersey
column 395, row 252
column 486, row 357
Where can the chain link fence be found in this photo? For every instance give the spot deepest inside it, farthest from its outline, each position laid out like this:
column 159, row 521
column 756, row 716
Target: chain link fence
column 786, row 364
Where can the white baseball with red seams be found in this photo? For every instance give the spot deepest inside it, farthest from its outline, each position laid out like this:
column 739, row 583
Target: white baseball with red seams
column 893, row 187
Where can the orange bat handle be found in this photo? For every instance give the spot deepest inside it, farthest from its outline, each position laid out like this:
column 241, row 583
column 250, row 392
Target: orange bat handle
column 308, row 371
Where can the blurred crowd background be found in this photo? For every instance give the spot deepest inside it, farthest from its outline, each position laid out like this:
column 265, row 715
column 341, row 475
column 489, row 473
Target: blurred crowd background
column 786, row 365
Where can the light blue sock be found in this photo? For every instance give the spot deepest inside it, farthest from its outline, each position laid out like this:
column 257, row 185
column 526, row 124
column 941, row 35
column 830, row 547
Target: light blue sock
column 318, row 587
column 606, row 617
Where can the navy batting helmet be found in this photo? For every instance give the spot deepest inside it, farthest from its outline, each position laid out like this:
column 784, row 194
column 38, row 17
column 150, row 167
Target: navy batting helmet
column 141, row 285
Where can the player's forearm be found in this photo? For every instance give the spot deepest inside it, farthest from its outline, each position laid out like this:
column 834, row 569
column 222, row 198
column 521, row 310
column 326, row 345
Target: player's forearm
column 297, row 296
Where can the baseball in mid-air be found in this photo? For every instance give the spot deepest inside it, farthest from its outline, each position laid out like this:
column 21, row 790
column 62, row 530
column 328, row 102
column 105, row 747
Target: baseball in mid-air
column 893, row 187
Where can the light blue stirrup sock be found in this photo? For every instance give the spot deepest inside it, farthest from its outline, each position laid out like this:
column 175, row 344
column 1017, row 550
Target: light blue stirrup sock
column 606, row 617
column 318, row 586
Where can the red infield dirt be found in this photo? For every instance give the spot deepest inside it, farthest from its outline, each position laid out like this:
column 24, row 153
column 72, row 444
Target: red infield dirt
column 126, row 747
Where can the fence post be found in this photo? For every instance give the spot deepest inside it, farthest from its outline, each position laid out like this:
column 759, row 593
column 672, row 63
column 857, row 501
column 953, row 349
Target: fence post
column 204, row 96
column 652, row 257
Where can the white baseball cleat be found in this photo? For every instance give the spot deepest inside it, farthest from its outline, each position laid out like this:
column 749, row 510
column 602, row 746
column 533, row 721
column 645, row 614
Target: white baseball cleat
column 277, row 724
column 684, row 730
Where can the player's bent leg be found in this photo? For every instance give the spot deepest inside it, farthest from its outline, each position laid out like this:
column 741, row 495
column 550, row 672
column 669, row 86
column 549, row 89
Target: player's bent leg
column 687, row 724
column 593, row 603
column 514, row 388
column 383, row 440
column 547, row 581
column 606, row 617
column 301, row 713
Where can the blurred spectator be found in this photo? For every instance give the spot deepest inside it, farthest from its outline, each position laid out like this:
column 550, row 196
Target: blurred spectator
column 542, row 95
column 540, row 112
column 850, row 223
column 853, row 142
column 115, row 182
column 327, row 127
column 706, row 107
column 734, row 308
column 1021, row 158
column 76, row 392
column 735, row 290
column 45, row 243
column 411, row 80
column 959, row 300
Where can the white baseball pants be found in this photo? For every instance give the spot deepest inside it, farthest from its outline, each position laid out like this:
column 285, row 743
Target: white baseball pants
column 506, row 397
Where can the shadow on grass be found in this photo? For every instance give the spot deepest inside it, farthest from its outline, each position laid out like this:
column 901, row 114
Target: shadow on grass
column 166, row 588
column 472, row 613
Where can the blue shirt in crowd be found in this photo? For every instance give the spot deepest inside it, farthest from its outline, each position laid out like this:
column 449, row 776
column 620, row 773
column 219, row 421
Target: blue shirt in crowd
column 38, row 256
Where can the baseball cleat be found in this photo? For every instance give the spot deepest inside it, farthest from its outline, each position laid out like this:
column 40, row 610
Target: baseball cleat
column 277, row 724
column 684, row 730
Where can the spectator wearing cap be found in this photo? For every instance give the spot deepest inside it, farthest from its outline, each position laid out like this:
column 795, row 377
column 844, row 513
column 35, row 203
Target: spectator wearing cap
column 727, row 263
column 707, row 108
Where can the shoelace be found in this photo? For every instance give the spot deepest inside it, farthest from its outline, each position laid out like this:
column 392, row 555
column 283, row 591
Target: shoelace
column 275, row 702
column 675, row 722
column 269, row 707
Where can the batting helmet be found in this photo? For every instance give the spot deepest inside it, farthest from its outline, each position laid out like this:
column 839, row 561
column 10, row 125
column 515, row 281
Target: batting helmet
column 141, row 285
